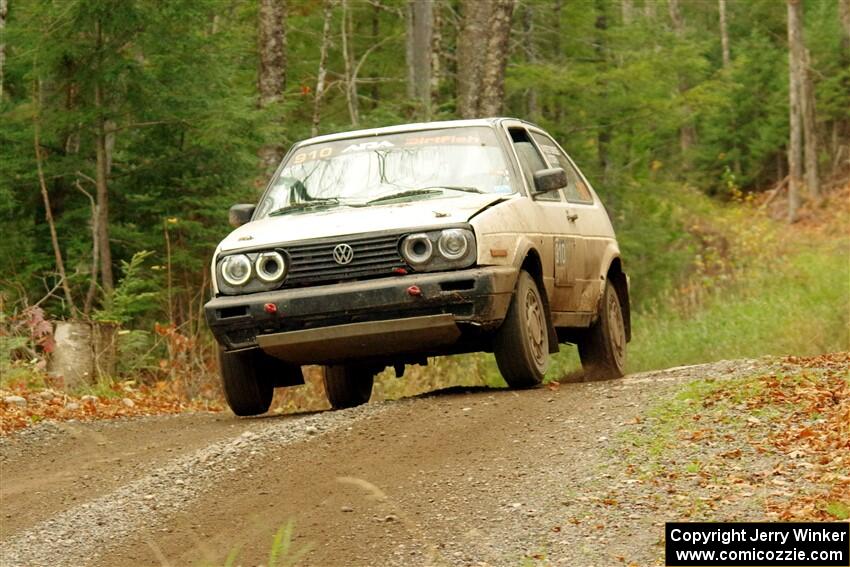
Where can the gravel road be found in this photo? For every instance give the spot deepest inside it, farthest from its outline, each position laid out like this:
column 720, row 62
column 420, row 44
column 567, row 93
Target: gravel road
column 463, row 477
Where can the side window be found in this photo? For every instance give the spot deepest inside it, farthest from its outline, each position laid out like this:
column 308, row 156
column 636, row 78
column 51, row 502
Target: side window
column 530, row 161
column 576, row 190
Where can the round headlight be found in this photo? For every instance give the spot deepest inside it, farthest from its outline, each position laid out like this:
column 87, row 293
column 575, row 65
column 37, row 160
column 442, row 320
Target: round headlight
column 453, row 244
column 270, row 267
column 236, row 269
column 417, row 248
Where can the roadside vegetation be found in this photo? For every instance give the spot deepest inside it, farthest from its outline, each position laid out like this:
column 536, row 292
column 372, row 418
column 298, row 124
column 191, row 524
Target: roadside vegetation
column 282, row 552
column 754, row 287
column 801, row 306
column 773, row 446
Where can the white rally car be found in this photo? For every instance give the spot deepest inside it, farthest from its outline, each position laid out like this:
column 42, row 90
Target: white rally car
column 383, row 247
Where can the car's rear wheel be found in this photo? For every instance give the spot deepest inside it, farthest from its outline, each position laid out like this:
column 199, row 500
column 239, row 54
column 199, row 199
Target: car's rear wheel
column 348, row 385
column 247, row 387
column 602, row 347
column 521, row 344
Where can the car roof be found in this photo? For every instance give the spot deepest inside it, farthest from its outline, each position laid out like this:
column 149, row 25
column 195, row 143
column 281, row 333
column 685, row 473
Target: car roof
column 413, row 127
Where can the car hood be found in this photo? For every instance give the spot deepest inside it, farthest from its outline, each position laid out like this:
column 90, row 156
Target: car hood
column 343, row 221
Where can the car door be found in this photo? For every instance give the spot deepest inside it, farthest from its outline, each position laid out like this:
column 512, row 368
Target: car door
column 586, row 226
column 560, row 247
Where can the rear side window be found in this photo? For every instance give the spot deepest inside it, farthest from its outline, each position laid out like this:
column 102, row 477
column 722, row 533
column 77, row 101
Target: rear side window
column 576, row 189
column 531, row 161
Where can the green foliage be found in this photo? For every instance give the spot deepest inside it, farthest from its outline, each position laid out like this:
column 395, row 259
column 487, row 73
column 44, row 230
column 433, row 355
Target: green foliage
column 799, row 306
column 137, row 352
column 26, row 338
column 839, row 510
column 13, row 370
column 133, row 296
column 281, row 552
column 282, row 547
column 177, row 97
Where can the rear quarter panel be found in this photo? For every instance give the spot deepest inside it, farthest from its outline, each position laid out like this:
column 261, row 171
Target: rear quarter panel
column 601, row 249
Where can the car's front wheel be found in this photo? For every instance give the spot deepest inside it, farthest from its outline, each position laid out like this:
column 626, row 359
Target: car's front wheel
column 246, row 389
column 348, row 385
column 521, row 344
column 602, row 347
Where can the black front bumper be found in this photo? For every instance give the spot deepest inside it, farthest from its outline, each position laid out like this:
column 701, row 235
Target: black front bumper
column 478, row 297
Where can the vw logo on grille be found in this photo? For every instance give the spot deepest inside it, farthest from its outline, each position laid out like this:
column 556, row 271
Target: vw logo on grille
column 343, row 254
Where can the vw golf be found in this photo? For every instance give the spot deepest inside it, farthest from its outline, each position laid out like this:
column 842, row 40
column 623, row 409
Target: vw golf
column 383, row 247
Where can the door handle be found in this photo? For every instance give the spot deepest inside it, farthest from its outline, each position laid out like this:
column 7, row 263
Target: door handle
column 572, row 217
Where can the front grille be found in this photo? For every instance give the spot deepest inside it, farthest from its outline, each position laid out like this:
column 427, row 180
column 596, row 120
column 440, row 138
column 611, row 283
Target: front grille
column 314, row 263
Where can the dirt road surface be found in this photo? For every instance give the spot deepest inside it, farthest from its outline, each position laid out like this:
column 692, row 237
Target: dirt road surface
column 469, row 477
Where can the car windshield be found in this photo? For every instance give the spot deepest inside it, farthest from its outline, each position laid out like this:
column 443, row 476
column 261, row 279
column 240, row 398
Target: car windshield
column 378, row 170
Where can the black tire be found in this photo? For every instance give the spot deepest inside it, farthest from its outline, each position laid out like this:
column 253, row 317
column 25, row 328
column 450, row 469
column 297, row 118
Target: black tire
column 246, row 389
column 521, row 344
column 602, row 347
column 348, row 385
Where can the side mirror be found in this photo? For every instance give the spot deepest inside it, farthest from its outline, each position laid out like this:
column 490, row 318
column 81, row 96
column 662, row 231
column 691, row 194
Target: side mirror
column 240, row 214
column 547, row 180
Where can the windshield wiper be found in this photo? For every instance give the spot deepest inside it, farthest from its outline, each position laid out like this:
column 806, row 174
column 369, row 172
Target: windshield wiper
column 456, row 188
column 403, row 194
column 305, row 205
column 425, row 191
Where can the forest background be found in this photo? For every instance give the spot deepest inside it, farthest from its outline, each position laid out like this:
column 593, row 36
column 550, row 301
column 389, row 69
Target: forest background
column 717, row 133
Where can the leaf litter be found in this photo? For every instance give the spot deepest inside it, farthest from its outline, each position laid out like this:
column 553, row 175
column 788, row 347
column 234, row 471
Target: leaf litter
column 118, row 400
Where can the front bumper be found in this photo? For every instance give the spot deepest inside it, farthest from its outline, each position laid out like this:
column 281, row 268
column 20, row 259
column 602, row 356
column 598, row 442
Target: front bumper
column 329, row 323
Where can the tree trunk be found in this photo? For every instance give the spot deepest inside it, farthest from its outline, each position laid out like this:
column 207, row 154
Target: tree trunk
column 271, row 78
column 423, row 42
column 627, row 12
column 727, row 62
column 649, row 10
column 676, row 18
column 795, row 142
column 724, row 34
column 95, row 253
column 496, row 59
column 4, row 10
column 323, row 65
column 482, row 56
column 437, row 54
column 531, row 104
column 101, row 174
column 72, row 356
column 557, row 9
column 72, row 137
column 408, row 48
column 102, row 168
column 841, row 127
column 470, row 55
column 348, row 59
column 375, row 37
column 84, row 352
column 420, row 35
column 48, row 212
column 557, row 48
column 807, row 106
column 603, row 134
column 687, row 131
